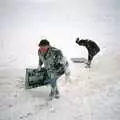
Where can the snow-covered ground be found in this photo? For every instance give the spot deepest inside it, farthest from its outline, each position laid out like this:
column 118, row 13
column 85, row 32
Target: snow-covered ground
column 92, row 94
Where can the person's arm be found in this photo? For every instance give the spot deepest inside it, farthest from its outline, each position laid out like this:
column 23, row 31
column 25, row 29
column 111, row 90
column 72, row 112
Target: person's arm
column 58, row 58
column 62, row 66
column 59, row 62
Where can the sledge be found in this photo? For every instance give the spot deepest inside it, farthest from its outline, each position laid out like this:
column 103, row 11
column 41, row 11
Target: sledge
column 79, row 60
column 35, row 78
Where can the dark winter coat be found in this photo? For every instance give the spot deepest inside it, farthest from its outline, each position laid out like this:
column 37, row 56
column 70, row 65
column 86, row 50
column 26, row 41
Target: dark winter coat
column 91, row 46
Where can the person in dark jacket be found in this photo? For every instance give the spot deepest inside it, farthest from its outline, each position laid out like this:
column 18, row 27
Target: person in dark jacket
column 92, row 48
column 55, row 64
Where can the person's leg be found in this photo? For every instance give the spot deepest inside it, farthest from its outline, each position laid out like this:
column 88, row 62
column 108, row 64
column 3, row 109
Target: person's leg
column 90, row 57
column 54, row 90
column 57, row 94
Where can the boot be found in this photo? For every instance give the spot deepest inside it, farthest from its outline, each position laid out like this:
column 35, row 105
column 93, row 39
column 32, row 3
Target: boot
column 57, row 94
column 88, row 64
column 51, row 95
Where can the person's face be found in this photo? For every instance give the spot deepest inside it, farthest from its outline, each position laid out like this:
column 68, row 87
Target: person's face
column 44, row 49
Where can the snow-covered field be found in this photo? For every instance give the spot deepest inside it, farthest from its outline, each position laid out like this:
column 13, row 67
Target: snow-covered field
column 92, row 94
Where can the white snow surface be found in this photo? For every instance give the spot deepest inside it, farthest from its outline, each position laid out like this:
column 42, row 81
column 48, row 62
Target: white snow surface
column 91, row 94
